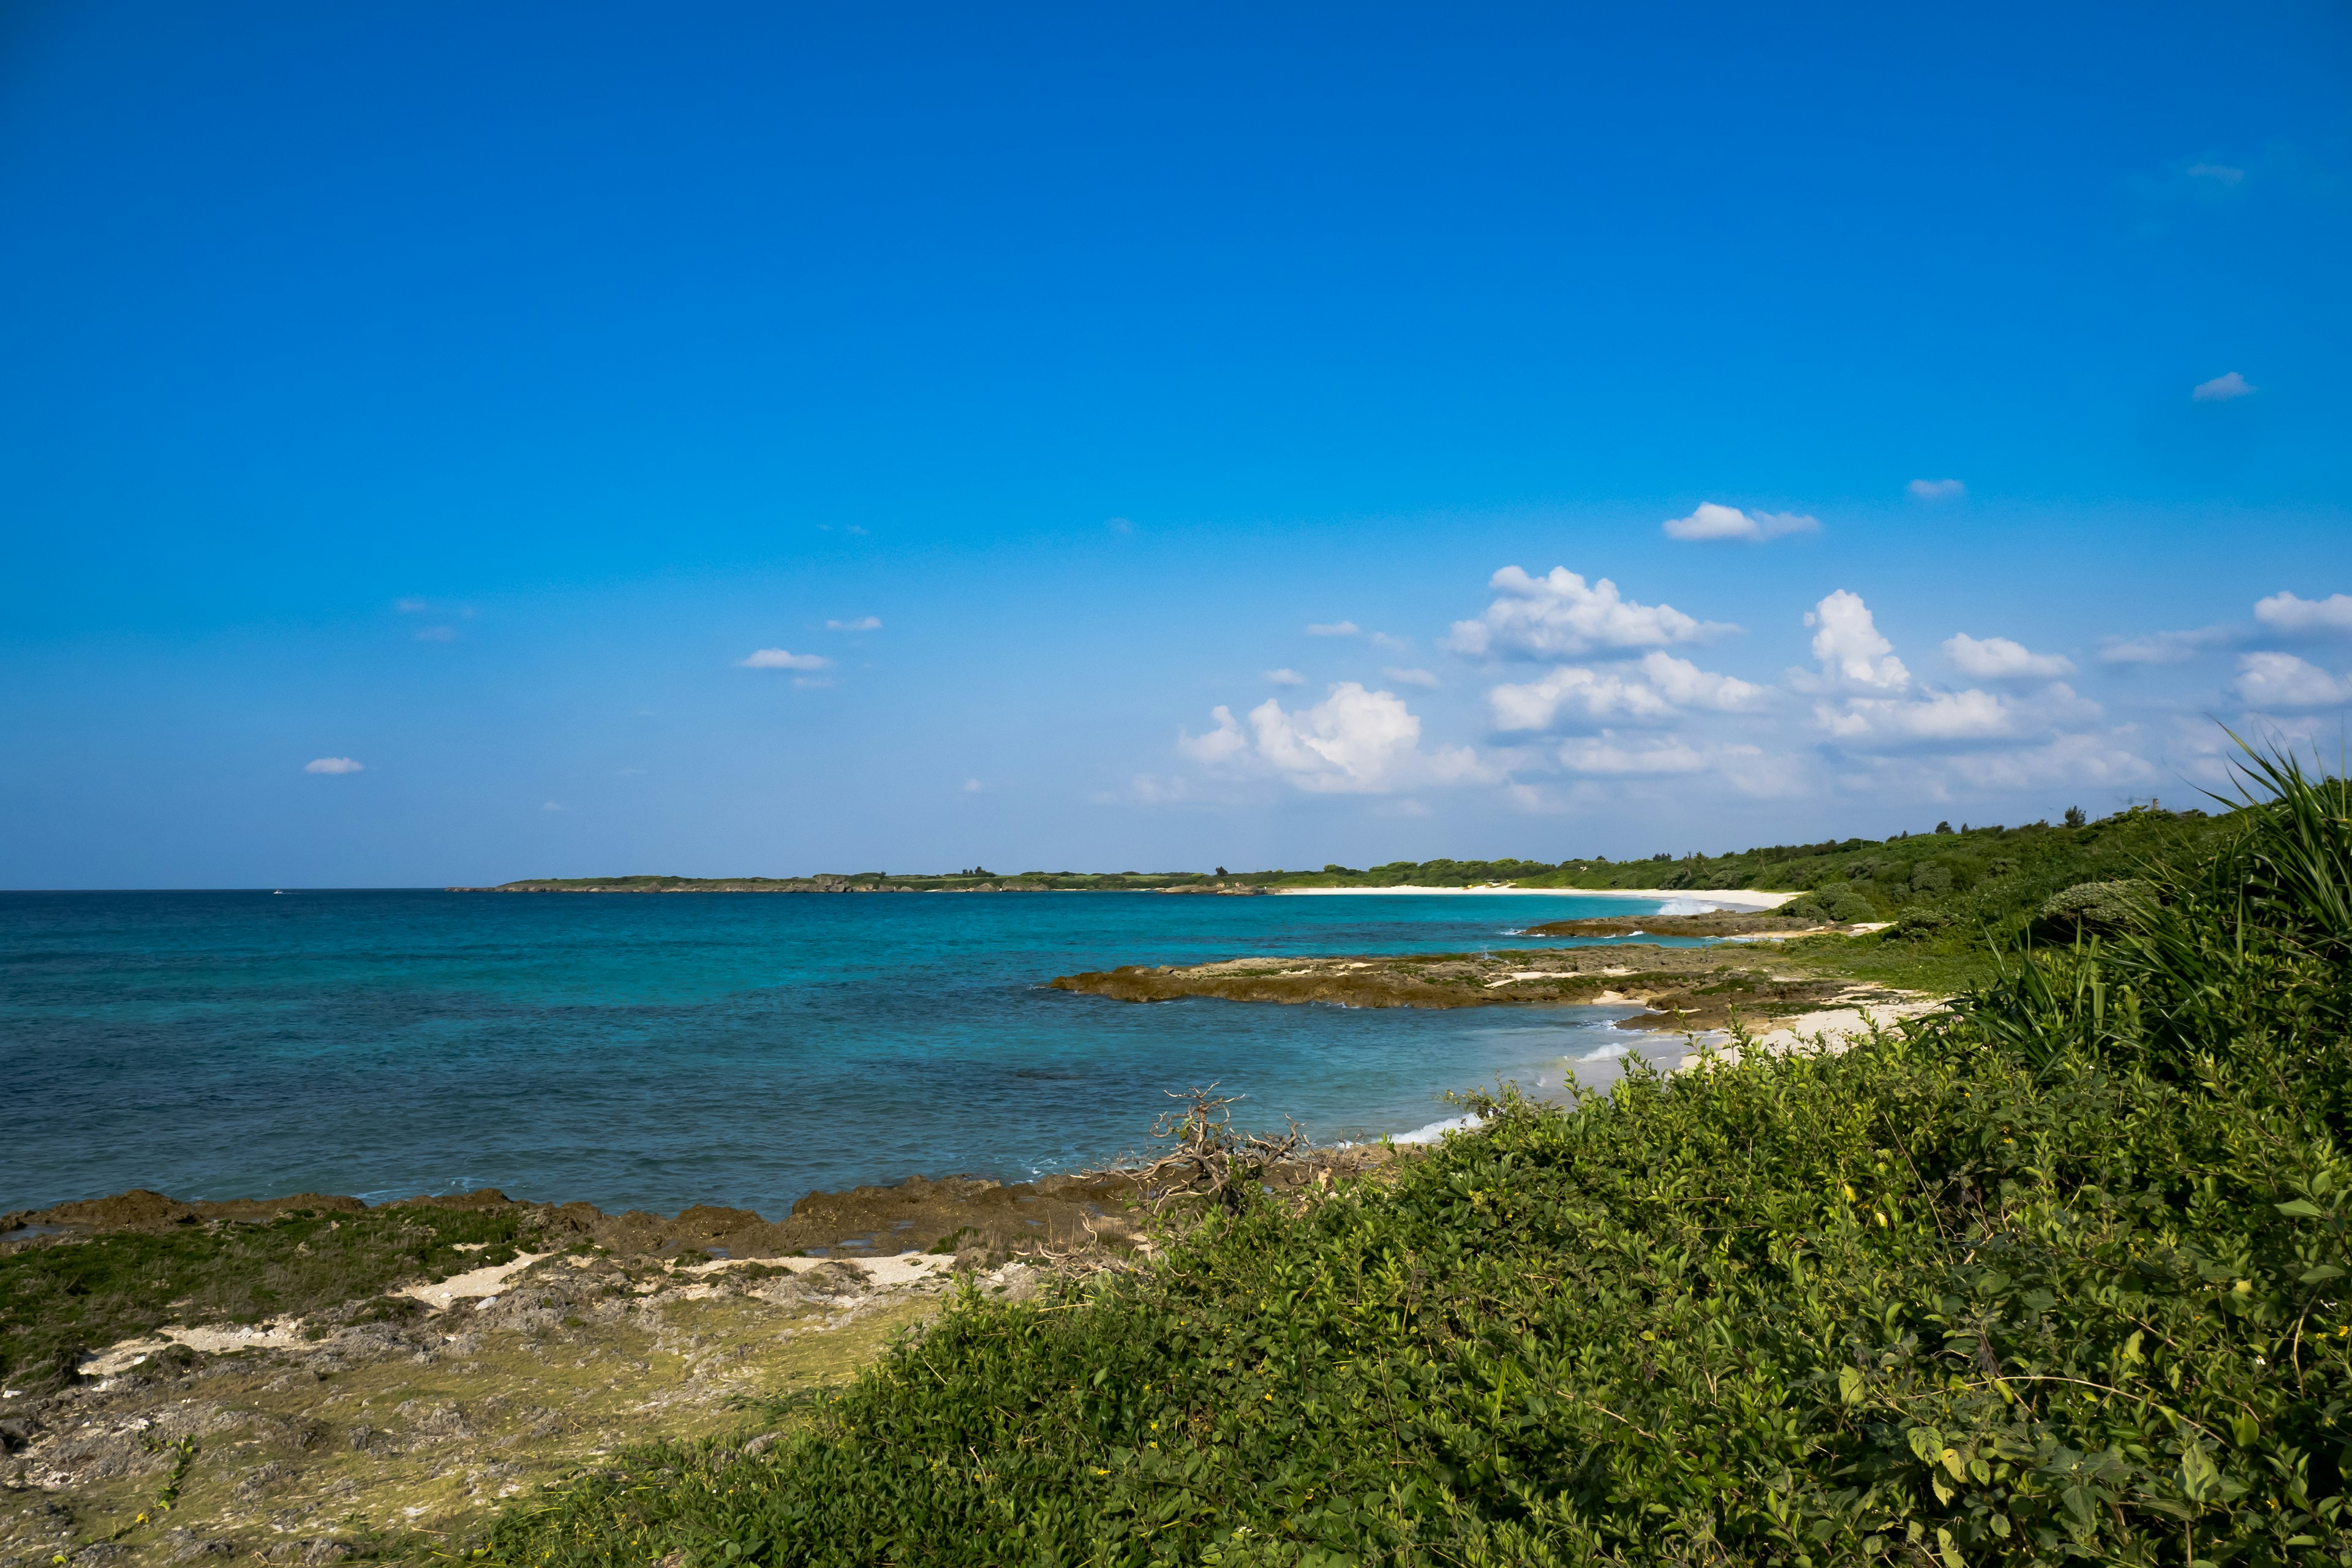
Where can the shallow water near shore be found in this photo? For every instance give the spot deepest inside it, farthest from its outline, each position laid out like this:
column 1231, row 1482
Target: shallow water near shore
column 659, row 1051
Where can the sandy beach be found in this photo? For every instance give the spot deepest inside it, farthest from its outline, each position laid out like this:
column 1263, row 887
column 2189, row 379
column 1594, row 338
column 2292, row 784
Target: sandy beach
column 1716, row 898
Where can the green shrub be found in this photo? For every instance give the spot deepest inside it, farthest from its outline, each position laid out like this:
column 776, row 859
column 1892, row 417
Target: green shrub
column 2093, row 908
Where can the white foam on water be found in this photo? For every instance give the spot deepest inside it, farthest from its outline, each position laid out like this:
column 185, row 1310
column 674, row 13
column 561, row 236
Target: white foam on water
column 1688, row 907
column 1608, row 1052
column 1436, row 1131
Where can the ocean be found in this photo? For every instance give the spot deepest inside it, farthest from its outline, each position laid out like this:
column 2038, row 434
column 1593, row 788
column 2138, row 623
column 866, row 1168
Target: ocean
column 656, row 1051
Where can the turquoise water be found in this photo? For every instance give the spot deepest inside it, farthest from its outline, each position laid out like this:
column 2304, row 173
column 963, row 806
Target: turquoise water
column 657, row 1052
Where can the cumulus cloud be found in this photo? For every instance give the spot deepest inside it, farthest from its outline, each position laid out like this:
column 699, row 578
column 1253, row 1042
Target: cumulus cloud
column 1937, row 490
column 2283, row 612
column 863, row 624
column 2166, row 648
column 1659, row 687
column 1411, row 678
column 1714, row 522
column 1851, row 652
column 332, row 765
column 778, row 659
column 1970, row 715
column 1222, row 744
column 2222, row 388
column 1998, row 659
column 1284, row 678
column 1333, row 629
column 1561, row 615
column 2283, row 680
column 1354, row 742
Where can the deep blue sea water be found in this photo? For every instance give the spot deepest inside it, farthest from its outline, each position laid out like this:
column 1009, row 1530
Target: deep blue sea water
column 662, row 1050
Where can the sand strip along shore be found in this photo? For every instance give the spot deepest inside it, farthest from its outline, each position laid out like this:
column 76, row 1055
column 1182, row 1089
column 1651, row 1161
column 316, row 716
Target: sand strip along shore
column 1718, row 898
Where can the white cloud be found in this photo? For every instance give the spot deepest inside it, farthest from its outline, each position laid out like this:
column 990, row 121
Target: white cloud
column 1334, row 629
column 1998, row 659
column 1592, row 694
column 1354, row 742
column 1968, row 715
column 411, row 606
column 1847, row 642
column 1685, row 685
column 1559, row 614
column 2283, row 680
column 1937, row 490
column 1713, row 521
column 1411, row 678
column 863, row 624
column 777, row 659
column 1121, row 525
column 332, row 765
column 1284, row 678
column 2220, row 174
column 1657, row 688
column 1222, row 744
column 1382, row 640
column 2166, row 648
column 436, row 634
column 552, row 805
column 2222, row 388
column 972, row 786
column 2283, row 612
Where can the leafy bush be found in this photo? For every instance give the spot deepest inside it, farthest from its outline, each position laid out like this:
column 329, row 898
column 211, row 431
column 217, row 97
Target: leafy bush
column 2095, row 907
column 2060, row 1276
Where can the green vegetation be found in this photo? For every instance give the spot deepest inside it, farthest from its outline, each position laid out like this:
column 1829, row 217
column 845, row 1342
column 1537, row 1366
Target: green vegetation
column 2058, row 1277
column 61, row 1300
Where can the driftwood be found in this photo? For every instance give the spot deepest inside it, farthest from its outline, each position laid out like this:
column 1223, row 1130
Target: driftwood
column 1203, row 1158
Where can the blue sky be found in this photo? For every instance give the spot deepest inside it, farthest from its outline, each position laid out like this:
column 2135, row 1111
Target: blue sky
column 464, row 398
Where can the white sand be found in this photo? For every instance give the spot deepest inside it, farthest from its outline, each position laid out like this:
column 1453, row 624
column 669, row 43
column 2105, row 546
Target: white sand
column 1742, row 899
column 474, row 1286
column 1830, row 1029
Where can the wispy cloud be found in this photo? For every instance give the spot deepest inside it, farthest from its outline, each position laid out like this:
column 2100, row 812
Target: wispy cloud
column 1411, row 678
column 2220, row 174
column 972, row 786
column 863, row 624
column 1561, row 615
column 1714, row 522
column 1333, row 629
column 436, row 634
column 2286, row 613
column 2222, row 388
column 1284, row 678
column 411, row 607
column 1937, row 490
column 2167, row 647
column 334, row 766
column 778, row 659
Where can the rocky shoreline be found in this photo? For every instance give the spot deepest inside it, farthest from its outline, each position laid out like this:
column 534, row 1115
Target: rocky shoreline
column 1680, row 990
column 392, row 1422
